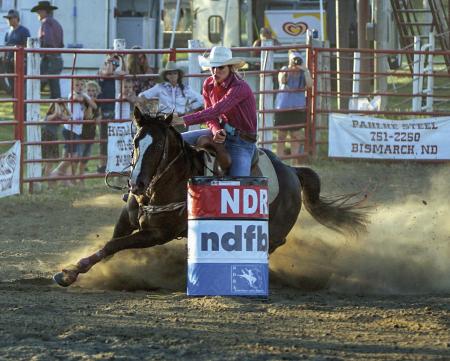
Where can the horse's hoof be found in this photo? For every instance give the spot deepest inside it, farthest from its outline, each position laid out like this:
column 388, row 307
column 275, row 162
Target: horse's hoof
column 65, row 278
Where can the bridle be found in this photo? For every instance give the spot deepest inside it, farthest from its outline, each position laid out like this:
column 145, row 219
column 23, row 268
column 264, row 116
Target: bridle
column 161, row 170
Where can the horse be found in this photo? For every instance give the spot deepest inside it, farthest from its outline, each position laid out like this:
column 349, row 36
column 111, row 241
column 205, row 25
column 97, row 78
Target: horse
column 155, row 211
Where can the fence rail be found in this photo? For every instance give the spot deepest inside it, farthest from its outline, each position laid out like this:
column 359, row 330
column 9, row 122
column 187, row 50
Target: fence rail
column 422, row 91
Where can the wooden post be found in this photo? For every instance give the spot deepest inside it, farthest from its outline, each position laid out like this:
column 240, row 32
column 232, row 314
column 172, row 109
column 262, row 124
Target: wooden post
column 363, row 43
column 417, row 98
column 381, row 43
column 323, row 85
column 194, row 68
column 33, row 132
column 119, row 44
column 266, row 100
column 344, row 61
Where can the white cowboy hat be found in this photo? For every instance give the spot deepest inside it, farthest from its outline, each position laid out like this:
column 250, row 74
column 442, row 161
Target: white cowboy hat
column 219, row 56
column 171, row 66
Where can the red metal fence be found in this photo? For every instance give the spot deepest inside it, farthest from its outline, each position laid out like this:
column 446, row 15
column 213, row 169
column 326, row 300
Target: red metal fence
column 334, row 90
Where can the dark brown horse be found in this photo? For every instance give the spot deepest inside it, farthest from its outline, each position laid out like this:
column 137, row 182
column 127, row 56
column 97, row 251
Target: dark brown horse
column 156, row 213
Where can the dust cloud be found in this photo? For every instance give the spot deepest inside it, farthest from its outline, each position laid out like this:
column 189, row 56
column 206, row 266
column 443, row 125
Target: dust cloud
column 405, row 251
column 137, row 269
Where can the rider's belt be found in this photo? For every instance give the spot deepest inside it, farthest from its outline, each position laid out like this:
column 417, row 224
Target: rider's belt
column 247, row 136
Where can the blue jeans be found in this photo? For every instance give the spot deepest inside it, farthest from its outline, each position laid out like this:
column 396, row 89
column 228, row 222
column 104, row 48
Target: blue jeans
column 241, row 151
column 52, row 64
column 75, row 149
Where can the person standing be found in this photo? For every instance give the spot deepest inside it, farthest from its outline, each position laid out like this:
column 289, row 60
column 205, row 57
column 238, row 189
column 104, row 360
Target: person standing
column 88, row 131
column 16, row 36
column 111, row 68
column 291, row 103
column 51, row 36
column 137, row 65
column 173, row 95
column 230, row 111
column 265, row 34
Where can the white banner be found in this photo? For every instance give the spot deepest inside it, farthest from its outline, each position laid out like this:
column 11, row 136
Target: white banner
column 290, row 26
column 120, row 145
column 10, row 171
column 356, row 136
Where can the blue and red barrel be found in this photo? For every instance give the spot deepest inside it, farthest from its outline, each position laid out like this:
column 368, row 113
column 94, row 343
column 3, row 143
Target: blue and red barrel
column 228, row 236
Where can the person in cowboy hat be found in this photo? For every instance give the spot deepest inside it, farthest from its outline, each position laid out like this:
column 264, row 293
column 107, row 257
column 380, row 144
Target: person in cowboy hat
column 173, row 95
column 51, row 36
column 230, row 110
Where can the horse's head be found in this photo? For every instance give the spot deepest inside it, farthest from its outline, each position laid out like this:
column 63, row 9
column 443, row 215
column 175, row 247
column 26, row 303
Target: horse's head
column 150, row 148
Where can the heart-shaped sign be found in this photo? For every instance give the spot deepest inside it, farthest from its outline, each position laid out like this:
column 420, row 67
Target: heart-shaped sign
column 295, row 29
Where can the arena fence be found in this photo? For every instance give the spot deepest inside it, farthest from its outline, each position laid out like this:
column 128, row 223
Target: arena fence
column 358, row 81
column 381, row 84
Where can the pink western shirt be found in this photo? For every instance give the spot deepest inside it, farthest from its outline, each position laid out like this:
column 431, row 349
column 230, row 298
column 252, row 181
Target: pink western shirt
column 232, row 100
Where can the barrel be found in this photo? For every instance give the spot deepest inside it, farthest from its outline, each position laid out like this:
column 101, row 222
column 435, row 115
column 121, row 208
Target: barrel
column 228, row 236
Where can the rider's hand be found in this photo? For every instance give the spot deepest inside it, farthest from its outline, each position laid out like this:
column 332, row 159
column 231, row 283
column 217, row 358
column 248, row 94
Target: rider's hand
column 220, row 136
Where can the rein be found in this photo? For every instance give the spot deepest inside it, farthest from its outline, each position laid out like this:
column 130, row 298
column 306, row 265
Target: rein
column 155, row 209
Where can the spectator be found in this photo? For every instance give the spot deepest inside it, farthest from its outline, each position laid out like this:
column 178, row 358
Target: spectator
column 50, row 36
column 124, row 106
column 88, row 132
column 291, row 77
column 264, row 34
column 173, row 95
column 111, row 67
column 137, row 64
column 72, row 130
column 16, row 36
column 57, row 112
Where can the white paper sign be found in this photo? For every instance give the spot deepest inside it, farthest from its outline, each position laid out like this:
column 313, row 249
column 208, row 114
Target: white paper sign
column 120, row 145
column 10, row 171
column 356, row 136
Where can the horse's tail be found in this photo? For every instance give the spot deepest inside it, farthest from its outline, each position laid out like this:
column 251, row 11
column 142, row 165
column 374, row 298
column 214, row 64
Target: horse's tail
column 341, row 213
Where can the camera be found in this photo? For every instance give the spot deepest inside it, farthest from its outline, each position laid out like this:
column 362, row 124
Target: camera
column 298, row 61
column 115, row 62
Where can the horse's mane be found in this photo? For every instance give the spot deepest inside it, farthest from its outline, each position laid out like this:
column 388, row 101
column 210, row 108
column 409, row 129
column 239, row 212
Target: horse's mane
column 163, row 121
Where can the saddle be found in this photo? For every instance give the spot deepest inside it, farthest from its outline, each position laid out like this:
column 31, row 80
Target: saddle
column 218, row 161
column 218, row 151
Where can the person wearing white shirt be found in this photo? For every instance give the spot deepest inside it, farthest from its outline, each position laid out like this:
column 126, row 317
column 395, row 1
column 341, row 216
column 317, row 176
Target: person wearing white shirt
column 72, row 130
column 173, row 95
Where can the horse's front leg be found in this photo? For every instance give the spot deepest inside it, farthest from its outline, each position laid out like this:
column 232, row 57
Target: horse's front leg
column 127, row 223
column 141, row 239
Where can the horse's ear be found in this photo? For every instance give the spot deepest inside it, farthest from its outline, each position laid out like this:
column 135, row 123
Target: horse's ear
column 168, row 118
column 138, row 117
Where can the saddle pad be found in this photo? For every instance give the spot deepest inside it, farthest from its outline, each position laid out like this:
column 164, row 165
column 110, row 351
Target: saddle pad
column 264, row 168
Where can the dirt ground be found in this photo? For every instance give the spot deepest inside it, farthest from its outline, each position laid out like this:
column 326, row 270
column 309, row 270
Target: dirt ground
column 383, row 296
